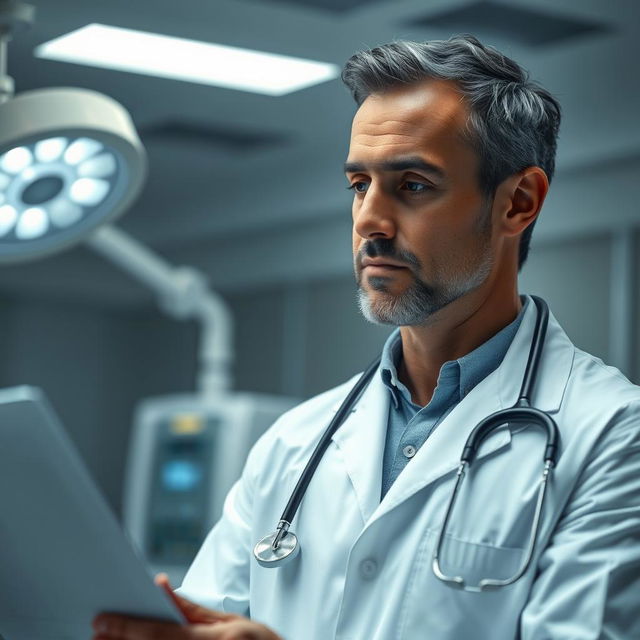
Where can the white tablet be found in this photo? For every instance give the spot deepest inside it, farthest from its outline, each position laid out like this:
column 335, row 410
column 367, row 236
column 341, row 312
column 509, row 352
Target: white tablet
column 63, row 556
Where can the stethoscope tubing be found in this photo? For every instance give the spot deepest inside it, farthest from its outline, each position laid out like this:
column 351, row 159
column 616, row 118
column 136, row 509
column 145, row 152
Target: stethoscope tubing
column 340, row 416
column 476, row 437
column 535, row 353
column 521, row 412
column 270, row 551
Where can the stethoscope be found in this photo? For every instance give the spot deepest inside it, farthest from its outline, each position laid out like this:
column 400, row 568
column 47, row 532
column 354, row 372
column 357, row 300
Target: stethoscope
column 281, row 546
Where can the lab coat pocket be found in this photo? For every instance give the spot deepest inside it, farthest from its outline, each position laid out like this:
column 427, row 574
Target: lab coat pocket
column 474, row 562
column 450, row 613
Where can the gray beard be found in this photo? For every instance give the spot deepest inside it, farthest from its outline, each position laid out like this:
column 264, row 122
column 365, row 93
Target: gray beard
column 420, row 301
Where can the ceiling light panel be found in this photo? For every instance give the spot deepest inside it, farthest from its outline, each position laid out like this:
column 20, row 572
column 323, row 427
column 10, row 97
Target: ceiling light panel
column 180, row 59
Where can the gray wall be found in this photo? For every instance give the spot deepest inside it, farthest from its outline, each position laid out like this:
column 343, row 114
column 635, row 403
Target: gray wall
column 573, row 277
column 94, row 363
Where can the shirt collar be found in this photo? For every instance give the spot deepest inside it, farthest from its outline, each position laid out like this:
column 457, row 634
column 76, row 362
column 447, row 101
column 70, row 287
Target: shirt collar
column 391, row 356
column 465, row 372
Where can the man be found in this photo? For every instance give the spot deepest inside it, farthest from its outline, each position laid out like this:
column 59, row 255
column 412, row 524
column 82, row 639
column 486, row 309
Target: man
column 452, row 150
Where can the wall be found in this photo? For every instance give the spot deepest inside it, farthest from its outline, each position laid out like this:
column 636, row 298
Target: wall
column 574, row 278
column 94, row 364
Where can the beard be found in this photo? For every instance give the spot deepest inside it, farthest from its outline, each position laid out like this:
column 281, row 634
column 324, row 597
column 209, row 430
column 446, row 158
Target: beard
column 421, row 300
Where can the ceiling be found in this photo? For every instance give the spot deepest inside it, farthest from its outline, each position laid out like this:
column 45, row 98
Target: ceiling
column 244, row 186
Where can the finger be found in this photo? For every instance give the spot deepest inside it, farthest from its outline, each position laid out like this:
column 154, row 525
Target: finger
column 192, row 612
column 220, row 631
column 239, row 629
column 117, row 627
column 162, row 580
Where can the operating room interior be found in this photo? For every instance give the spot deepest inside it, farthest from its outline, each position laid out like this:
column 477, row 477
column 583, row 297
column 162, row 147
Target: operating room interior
column 244, row 192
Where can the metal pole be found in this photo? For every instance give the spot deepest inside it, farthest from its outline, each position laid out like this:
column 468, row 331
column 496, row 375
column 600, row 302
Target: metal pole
column 7, row 88
column 3, row 53
column 622, row 302
column 14, row 17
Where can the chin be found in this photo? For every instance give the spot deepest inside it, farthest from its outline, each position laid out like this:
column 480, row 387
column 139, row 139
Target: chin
column 385, row 286
column 381, row 308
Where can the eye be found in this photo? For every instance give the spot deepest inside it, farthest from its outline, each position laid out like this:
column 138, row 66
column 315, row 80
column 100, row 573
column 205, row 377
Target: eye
column 358, row 186
column 416, row 187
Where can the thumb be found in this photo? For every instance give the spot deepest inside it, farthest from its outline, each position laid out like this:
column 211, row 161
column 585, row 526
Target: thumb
column 193, row 612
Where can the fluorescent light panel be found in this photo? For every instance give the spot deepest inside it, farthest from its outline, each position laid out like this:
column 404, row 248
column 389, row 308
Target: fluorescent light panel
column 100, row 45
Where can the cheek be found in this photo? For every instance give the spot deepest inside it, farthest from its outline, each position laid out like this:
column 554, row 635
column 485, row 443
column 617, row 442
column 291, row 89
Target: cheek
column 455, row 228
column 443, row 249
column 356, row 240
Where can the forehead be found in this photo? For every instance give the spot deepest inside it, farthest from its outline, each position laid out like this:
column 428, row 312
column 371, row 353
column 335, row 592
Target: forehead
column 423, row 118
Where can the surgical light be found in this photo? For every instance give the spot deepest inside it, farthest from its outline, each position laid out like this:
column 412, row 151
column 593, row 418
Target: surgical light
column 70, row 160
column 154, row 54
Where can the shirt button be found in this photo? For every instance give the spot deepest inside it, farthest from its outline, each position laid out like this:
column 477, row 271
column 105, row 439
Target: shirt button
column 368, row 569
column 409, row 451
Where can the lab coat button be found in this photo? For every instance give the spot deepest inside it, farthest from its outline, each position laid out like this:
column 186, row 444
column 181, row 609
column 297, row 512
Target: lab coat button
column 409, row 451
column 368, row 569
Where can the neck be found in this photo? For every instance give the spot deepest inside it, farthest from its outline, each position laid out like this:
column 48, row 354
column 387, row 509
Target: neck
column 449, row 334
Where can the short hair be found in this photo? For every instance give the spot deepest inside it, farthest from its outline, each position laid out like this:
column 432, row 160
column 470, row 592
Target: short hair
column 513, row 122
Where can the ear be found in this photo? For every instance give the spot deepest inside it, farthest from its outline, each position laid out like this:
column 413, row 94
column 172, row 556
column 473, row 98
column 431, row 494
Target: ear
column 520, row 198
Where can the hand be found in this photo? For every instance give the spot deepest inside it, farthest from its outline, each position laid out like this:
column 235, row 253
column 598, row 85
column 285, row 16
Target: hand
column 203, row 624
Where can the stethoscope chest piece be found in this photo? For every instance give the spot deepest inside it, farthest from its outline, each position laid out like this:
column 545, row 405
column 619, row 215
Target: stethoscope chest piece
column 269, row 555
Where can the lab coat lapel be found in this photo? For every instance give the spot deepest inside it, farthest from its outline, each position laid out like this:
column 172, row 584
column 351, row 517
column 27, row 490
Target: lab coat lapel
column 361, row 440
column 440, row 454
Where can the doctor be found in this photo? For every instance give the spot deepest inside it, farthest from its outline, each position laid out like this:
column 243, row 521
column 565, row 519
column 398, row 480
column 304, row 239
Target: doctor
column 451, row 154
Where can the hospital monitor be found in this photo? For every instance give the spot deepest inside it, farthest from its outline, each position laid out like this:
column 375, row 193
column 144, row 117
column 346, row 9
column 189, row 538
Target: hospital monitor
column 186, row 452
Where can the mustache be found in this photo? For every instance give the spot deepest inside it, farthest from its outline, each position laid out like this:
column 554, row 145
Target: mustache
column 384, row 248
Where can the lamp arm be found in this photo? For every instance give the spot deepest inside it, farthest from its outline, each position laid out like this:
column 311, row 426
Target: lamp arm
column 183, row 293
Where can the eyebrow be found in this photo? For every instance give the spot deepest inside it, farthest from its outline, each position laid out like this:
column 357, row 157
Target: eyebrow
column 397, row 164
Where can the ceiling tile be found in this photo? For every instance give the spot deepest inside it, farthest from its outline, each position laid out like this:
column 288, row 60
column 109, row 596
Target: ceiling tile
column 527, row 26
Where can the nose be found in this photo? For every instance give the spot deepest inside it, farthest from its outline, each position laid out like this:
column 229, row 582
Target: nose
column 373, row 215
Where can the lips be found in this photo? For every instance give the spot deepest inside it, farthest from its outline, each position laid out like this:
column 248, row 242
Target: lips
column 382, row 262
column 387, row 269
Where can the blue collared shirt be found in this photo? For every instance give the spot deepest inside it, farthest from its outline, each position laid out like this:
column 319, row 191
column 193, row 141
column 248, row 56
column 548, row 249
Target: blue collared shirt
column 409, row 425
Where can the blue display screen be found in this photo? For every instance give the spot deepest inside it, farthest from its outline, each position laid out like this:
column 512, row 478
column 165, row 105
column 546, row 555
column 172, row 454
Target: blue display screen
column 181, row 475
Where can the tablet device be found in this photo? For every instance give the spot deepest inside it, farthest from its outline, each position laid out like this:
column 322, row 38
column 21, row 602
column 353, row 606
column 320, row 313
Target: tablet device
column 63, row 555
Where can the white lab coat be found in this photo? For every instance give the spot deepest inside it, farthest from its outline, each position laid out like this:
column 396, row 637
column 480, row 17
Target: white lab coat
column 364, row 570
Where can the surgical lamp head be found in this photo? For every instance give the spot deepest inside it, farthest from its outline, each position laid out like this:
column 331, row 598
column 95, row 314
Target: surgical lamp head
column 70, row 160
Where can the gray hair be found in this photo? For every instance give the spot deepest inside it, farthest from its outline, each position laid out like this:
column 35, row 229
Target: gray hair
column 513, row 122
